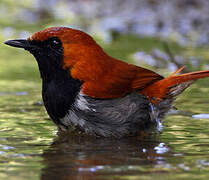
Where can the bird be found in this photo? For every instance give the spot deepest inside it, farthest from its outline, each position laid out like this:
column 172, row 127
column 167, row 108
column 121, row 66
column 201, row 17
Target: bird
column 86, row 90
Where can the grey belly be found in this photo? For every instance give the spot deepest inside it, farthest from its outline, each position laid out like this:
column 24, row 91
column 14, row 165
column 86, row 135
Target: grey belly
column 112, row 117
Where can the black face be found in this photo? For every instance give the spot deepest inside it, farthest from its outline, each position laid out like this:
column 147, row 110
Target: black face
column 49, row 55
column 59, row 88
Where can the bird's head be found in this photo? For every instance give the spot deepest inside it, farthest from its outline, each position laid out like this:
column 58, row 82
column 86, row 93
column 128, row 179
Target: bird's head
column 59, row 48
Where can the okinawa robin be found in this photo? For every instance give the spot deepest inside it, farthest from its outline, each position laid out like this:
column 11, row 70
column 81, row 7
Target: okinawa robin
column 86, row 89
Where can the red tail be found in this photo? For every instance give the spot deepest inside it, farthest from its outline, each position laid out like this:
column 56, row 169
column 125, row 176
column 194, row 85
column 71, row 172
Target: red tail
column 172, row 85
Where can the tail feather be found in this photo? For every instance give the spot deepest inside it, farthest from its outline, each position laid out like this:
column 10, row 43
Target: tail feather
column 173, row 85
column 195, row 75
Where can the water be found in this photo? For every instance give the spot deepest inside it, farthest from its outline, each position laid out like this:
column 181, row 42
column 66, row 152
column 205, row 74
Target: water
column 30, row 147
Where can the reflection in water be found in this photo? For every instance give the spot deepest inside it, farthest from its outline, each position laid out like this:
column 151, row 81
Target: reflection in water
column 76, row 157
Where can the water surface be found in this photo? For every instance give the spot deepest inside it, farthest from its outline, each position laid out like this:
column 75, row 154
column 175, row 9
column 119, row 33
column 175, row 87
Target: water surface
column 30, row 147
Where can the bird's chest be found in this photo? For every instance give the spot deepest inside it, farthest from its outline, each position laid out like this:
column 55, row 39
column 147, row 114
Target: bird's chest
column 59, row 95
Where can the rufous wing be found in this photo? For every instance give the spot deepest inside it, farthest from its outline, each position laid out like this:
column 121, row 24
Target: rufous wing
column 120, row 79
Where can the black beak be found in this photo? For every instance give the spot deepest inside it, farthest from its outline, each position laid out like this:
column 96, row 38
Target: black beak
column 20, row 43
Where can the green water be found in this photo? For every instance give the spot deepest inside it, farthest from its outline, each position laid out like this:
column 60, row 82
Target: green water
column 31, row 149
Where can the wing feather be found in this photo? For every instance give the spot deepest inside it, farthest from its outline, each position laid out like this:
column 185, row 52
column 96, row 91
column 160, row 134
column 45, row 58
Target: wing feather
column 119, row 80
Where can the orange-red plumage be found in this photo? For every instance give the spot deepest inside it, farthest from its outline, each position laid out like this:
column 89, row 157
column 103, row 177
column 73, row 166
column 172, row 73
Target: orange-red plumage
column 163, row 89
column 118, row 79
column 104, row 76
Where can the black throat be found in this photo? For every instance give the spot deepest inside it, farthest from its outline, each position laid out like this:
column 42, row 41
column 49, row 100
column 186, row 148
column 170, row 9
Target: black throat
column 59, row 94
column 59, row 89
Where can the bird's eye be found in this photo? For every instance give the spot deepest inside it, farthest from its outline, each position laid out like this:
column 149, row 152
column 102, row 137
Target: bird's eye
column 55, row 43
